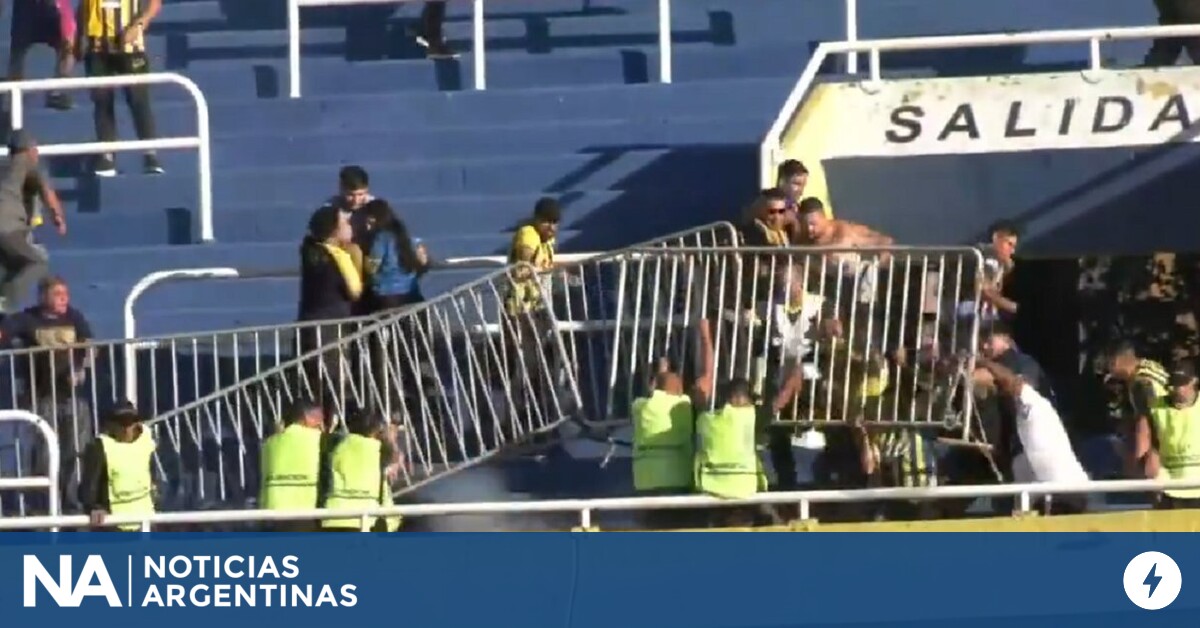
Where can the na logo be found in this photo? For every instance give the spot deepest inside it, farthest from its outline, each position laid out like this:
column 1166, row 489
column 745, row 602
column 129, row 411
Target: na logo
column 66, row 590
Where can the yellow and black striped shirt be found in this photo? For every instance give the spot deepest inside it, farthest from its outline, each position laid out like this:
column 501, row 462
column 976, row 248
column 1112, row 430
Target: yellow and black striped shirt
column 105, row 21
column 1153, row 374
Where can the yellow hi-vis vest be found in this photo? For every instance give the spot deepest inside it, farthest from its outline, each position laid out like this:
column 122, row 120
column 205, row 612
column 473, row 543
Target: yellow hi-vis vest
column 662, row 442
column 727, row 462
column 357, row 481
column 130, row 482
column 291, row 462
column 1178, row 432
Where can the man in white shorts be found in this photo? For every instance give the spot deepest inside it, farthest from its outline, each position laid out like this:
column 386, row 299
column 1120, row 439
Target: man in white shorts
column 1046, row 454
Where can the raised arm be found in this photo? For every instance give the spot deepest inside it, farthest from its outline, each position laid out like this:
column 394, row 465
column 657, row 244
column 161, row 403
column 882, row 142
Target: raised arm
column 1006, row 379
column 702, row 390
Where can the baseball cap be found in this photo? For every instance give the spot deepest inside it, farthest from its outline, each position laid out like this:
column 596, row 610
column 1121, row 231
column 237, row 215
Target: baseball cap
column 1181, row 373
column 19, row 140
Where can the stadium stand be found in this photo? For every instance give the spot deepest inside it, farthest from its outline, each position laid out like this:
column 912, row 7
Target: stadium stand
column 572, row 110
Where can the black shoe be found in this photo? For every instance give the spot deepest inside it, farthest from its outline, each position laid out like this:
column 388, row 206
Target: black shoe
column 59, row 100
column 106, row 166
column 439, row 50
column 150, row 164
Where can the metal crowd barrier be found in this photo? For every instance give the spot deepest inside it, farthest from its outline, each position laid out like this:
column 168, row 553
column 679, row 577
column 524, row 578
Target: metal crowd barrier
column 906, row 323
column 585, row 508
column 47, row 456
column 72, row 386
column 458, row 397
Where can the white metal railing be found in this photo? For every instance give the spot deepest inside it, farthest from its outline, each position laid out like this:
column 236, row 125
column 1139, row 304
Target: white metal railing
column 770, row 151
column 478, row 47
column 144, row 284
column 199, row 141
column 53, row 461
column 586, row 507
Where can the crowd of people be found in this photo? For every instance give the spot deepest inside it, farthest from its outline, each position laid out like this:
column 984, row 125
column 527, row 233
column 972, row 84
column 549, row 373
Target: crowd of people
column 1017, row 434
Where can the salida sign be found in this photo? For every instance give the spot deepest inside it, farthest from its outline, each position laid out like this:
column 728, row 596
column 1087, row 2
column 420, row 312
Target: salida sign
column 1015, row 113
column 1106, row 114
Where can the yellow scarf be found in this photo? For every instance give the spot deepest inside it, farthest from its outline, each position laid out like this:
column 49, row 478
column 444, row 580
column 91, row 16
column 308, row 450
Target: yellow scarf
column 775, row 237
column 346, row 266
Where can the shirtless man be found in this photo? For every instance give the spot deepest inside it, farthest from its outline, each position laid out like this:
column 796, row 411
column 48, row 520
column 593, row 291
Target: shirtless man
column 821, row 230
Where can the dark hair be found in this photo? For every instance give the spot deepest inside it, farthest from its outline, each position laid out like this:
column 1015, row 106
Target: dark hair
column 123, row 412
column 323, row 223
column 353, row 178
column 737, row 387
column 1004, row 228
column 772, row 194
column 998, row 328
column 364, row 422
column 790, row 168
column 296, row 410
column 1120, row 348
column 385, row 219
column 810, row 205
column 547, row 209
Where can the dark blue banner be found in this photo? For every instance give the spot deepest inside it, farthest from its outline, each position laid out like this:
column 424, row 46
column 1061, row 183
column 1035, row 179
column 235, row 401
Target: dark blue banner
column 585, row 579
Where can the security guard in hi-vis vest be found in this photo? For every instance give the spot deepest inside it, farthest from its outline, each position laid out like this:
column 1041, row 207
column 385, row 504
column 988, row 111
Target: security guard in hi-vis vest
column 727, row 460
column 664, row 424
column 112, row 42
column 361, row 469
column 1167, row 441
column 117, row 479
column 291, row 465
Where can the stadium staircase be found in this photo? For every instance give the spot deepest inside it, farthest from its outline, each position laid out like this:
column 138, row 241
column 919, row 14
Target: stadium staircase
column 573, row 110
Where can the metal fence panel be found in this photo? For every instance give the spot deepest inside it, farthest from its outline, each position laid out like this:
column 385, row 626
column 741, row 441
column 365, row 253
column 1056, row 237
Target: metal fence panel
column 845, row 323
column 457, row 395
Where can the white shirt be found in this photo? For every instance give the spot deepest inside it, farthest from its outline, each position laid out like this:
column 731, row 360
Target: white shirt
column 1047, row 455
column 792, row 328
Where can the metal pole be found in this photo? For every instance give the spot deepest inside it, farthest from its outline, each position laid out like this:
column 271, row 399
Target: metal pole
column 293, row 19
column 479, row 53
column 664, row 41
column 852, row 35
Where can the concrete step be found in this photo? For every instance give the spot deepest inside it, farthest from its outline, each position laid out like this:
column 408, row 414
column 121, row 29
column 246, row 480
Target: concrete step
column 428, row 110
column 605, row 167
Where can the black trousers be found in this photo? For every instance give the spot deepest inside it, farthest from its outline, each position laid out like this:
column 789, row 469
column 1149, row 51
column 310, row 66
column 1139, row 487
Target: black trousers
column 432, row 18
column 136, row 96
column 1165, row 51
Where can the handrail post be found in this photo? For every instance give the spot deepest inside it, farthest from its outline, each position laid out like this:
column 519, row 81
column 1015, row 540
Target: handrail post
column 199, row 141
column 665, row 69
column 142, row 285
column 852, row 35
column 53, row 462
column 17, row 104
column 293, row 19
column 1094, row 53
column 479, row 35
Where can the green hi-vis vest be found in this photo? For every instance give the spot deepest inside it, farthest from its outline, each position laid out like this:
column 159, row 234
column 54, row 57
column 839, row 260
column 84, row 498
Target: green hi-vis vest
column 727, row 458
column 130, row 482
column 1178, row 432
column 291, row 462
column 357, row 481
column 662, row 442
